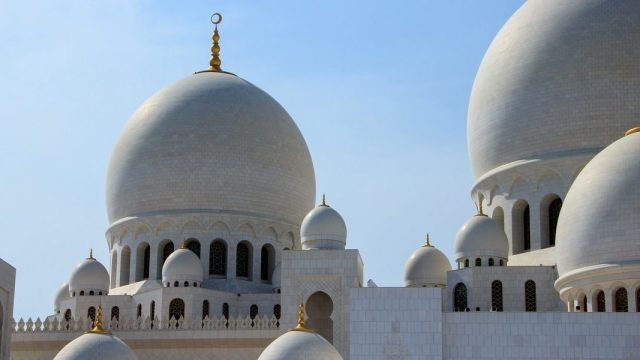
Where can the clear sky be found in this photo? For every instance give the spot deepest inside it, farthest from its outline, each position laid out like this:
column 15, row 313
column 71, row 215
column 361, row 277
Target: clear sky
column 378, row 88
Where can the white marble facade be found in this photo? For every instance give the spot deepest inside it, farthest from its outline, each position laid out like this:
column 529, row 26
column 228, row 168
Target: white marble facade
column 7, row 288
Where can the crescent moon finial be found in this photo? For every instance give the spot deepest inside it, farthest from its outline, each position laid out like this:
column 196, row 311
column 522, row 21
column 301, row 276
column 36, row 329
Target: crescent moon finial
column 216, row 18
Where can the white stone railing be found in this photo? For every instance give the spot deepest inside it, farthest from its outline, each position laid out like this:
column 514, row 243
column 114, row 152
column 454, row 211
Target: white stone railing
column 146, row 324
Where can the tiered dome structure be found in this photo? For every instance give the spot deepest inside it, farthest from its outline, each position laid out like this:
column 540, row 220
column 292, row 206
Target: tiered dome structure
column 559, row 82
column 426, row 267
column 598, row 246
column 323, row 228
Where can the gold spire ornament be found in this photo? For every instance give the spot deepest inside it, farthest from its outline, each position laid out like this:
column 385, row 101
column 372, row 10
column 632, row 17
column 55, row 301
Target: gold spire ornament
column 428, row 243
column 324, row 201
column 215, row 62
column 90, row 254
column 301, row 325
column 480, row 209
column 98, row 329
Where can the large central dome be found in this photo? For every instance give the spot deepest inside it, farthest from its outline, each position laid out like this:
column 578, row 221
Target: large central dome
column 211, row 142
column 560, row 78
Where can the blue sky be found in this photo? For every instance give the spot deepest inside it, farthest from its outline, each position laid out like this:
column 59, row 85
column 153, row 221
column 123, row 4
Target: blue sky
column 379, row 90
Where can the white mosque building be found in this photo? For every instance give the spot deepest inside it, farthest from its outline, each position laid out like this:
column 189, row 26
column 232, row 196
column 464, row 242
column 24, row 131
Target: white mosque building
column 218, row 252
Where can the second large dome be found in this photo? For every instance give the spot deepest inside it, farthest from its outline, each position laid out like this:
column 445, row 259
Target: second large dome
column 211, row 142
column 560, row 78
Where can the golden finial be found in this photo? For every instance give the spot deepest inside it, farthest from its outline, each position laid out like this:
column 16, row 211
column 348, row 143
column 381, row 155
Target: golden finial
column 324, row 201
column 184, row 244
column 428, row 243
column 215, row 62
column 301, row 325
column 91, row 254
column 632, row 131
column 98, row 329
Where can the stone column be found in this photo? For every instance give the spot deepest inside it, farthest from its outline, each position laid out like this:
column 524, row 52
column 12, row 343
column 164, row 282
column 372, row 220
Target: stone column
column 153, row 262
column 535, row 224
column 608, row 300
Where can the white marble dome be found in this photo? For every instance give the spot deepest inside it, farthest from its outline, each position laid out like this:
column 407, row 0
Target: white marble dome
column 426, row 267
column 481, row 236
column 300, row 345
column 92, row 346
column 182, row 265
column 323, row 228
column 560, row 78
column 62, row 295
column 89, row 275
column 600, row 219
column 211, row 143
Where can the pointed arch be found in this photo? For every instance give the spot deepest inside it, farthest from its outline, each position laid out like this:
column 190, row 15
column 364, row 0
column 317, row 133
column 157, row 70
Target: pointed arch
column 246, row 231
column 319, row 307
column 518, row 186
column 218, row 252
column 220, row 229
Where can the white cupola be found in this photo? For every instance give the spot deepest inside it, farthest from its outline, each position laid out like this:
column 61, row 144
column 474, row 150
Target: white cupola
column 182, row 269
column 323, row 229
column 89, row 277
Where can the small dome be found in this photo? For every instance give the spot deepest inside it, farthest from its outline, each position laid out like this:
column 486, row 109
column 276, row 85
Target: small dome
column 182, row 265
column 599, row 222
column 91, row 346
column 96, row 344
column 276, row 277
column 426, row 267
column 89, row 275
column 481, row 236
column 323, row 228
column 62, row 295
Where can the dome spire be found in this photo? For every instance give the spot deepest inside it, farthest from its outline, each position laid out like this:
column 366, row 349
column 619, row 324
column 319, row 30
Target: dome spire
column 480, row 209
column 215, row 62
column 324, row 200
column 428, row 242
column 91, row 254
column 301, row 326
column 98, row 329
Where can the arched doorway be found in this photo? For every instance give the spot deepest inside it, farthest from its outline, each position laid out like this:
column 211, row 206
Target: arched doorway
column 319, row 309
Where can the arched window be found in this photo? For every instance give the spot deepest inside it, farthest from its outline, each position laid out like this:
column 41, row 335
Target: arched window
column 205, row 309
column 139, row 311
column 67, row 314
column 82, row 293
column 115, row 313
column 490, row 261
column 167, row 249
column 253, row 312
column 152, row 310
column 520, row 227
column 143, row 259
column 554, row 213
column 478, row 262
column 243, row 260
column 266, row 262
column 176, row 309
column 496, row 295
column 621, row 300
column 91, row 314
column 91, row 293
column 319, row 308
column 176, row 284
column 225, row 310
column 600, row 302
column 194, row 245
column 501, row 262
column 466, row 262
column 638, row 300
column 125, row 260
column 460, row 297
column 218, row 258
column 186, row 284
column 530, row 296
